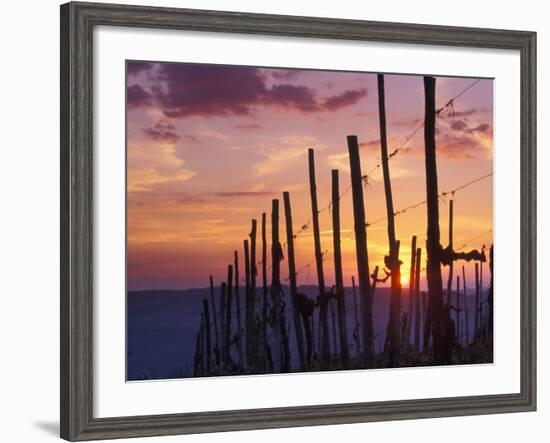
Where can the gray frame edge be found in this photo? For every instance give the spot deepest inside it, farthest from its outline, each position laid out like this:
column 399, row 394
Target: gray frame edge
column 76, row 272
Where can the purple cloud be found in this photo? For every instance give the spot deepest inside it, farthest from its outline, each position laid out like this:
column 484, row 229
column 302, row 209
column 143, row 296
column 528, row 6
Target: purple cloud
column 459, row 125
column 134, row 68
column 290, row 96
column 209, row 90
column 137, row 96
column 188, row 90
column 162, row 132
column 481, row 128
column 285, row 74
column 347, row 98
column 457, row 146
column 464, row 145
column 463, row 114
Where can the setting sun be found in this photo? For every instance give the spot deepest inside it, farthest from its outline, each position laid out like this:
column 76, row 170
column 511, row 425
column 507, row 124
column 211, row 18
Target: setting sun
column 404, row 279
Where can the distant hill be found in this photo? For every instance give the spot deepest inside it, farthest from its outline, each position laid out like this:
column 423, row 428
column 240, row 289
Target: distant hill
column 162, row 327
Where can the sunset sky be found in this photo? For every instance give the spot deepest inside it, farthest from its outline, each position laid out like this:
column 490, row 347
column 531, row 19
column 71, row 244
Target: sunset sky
column 210, row 146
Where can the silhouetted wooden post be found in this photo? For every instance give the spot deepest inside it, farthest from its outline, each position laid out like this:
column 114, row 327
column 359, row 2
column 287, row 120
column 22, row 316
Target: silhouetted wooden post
column 238, row 309
column 215, row 319
column 204, row 358
column 286, row 344
column 361, row 251
column 252, row 297
column 253, row 269
column 374, row 282
column 319, row 334
column 373, row 292
column 264, row 293
column 433, row 247
column 333, row 324
column 208, row 336
column 248, row 315
column 417, row 313
column 356, row 331
column 391, row 260
column 481, row 294
column 466, row 315
column 228, row 303
column 298, row 331
column 276, row 257
column 323, row 300
column 478, row 307
column 411, row 288
column 198, row 351
column 450, row 277
column 458, row 308
column 425, row 339
column 223, row 309
column 490, row 294
column 338, row 273
column 314, row 335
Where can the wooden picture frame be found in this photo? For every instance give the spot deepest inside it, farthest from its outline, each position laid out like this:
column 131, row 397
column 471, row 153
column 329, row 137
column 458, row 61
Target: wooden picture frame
column 77, row 23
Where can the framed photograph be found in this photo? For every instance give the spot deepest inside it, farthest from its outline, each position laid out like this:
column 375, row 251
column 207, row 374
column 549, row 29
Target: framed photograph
column 273, row 221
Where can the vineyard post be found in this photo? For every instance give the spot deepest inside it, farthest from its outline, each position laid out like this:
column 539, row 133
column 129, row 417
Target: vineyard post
column 323, row 300
column 373, row 292
column 276, row 253
column 215, row 320
column 314, row 327
column 478, row 307
column 356, row 333
column 424, row 298
column 450, row 276
column 253, row 272
column 238, row 309
column 248, row 316
column 208, row 336
column 298, row 332
column 411, row 288
column 228, row 304
column 286, row 345
column 333, row 324
column 338, row 273
column 391, row 261
column 466, row 315
column 480, row 293
column 433, row 246
column 264, row 292
column 223, row 309
column 204, row 357
column 374, row 282
column 198, row 356
column 361, row 250
column 458, row 308
column 417, row 319
column 490, row 294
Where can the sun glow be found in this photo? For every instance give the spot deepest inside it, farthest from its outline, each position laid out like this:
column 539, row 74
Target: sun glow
column 404, row 279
